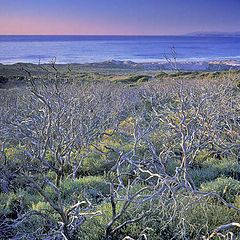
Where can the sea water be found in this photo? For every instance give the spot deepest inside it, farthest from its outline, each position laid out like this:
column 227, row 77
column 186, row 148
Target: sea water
column 88, row 49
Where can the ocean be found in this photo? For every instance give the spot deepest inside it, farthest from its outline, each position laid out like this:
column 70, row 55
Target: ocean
column 89, row 49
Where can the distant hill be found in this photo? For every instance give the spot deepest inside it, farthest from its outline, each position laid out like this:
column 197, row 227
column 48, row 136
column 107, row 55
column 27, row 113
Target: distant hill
column 216, row 34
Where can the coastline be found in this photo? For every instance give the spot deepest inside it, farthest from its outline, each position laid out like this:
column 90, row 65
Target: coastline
column 215, row 65
column 14, row 75
column 219, row 65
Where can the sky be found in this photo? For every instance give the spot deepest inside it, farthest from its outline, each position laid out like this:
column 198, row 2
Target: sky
column 118, row 17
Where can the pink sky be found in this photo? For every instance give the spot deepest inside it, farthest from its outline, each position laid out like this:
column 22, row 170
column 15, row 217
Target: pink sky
column 37, row 25
column 51, row 26
column 124, row 17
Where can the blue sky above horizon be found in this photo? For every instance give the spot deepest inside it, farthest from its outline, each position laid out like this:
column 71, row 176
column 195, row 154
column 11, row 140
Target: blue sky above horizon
column 120, row 17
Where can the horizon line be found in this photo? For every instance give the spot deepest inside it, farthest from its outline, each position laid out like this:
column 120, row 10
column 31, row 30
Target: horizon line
column 133, row 35
column 92, row 35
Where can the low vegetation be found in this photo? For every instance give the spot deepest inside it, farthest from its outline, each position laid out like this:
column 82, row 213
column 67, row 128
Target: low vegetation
column 136, row 157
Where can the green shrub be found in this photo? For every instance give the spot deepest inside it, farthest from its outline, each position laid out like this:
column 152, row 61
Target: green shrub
column 5, row 199
column 98, row 163
column 227, row 188
column 202, row 156
column 204, row 175
column 162, row 75
column 92, row 186
column 95, row 164
column 134, row 79
column 21, row 201
column 185, row 222
column 214, row 168
column 94, row 229
column 228, row 167
column 171, row 166
column 42, row 206
column 205, row 217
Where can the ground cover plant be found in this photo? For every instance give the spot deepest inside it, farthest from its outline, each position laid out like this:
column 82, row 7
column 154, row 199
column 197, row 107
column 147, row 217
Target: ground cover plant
column 141, row 157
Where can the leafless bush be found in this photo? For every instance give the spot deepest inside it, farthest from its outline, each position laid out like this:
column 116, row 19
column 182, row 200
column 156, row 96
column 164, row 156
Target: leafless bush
column 56, row 124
